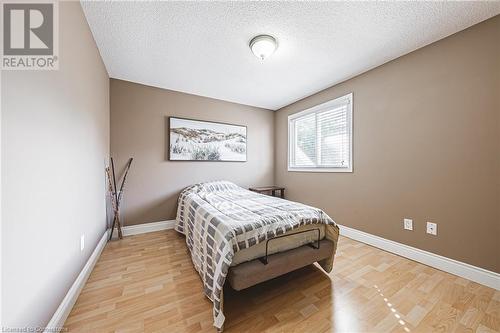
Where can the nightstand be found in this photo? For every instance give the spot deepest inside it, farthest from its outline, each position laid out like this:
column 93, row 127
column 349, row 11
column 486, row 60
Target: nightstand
column 269, row 190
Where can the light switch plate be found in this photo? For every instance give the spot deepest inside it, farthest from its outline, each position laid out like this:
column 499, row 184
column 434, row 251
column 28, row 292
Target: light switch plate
column 432, row 228
column 408, row 224
column 82, row 242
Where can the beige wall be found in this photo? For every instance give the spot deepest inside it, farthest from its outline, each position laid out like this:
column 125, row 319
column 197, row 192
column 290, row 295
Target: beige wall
column 426, row 146
column 138, row 129
column 55, row 141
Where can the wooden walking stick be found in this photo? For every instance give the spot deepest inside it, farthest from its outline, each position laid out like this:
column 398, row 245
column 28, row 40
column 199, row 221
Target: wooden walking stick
column 113, row 201
column 120, row 195
column 116, row 218
column 116, row 196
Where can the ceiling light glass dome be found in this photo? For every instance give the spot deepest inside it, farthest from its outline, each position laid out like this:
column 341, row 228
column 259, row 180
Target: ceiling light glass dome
column 263, row 46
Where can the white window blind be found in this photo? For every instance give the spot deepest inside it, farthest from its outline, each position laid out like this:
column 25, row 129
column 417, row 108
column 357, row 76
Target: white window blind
column 320, row 138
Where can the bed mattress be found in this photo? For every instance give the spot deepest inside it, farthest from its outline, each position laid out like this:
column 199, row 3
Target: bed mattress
column 295, row 239
column 253, row 272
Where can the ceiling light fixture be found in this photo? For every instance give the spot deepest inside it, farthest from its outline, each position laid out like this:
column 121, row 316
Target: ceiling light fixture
column 263, row 46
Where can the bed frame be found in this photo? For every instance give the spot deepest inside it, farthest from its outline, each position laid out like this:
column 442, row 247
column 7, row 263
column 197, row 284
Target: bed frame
column 253, row 272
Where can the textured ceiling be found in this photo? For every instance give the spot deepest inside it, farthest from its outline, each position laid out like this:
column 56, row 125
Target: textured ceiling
column 202, row 47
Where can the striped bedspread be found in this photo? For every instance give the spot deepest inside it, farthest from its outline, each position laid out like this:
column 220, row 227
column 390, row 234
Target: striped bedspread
column 220, row 218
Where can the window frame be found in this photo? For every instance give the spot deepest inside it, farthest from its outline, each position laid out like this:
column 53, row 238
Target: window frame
column 318, row 109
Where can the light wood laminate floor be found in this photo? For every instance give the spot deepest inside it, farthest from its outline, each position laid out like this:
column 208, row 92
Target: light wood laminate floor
column 146, row 283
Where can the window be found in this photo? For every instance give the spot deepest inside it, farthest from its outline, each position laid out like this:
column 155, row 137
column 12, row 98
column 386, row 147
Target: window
column 320, row 138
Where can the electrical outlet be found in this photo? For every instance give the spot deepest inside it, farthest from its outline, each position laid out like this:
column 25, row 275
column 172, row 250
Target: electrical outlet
column 408, row 224
column 82, row 242
column 432, row 228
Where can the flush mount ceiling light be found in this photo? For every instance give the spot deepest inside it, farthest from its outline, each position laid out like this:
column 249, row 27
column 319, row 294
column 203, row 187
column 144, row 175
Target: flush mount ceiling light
column 263, row 46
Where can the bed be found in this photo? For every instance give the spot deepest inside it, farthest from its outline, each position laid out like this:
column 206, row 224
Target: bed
column 244, row 238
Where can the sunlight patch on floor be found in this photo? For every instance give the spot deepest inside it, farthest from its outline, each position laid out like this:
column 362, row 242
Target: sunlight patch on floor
column 396, row 315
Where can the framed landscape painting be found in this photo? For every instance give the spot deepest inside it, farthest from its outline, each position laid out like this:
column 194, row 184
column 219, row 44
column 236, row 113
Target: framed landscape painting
column 196, row 140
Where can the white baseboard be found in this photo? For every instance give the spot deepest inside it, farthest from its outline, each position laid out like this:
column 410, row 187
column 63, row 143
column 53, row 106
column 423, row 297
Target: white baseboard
column 476, row 274
column 62, row 312
column 467, row 271
column 147, row 227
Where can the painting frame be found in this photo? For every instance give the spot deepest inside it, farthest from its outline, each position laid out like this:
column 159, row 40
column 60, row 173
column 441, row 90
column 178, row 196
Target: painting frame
column 175, row 156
